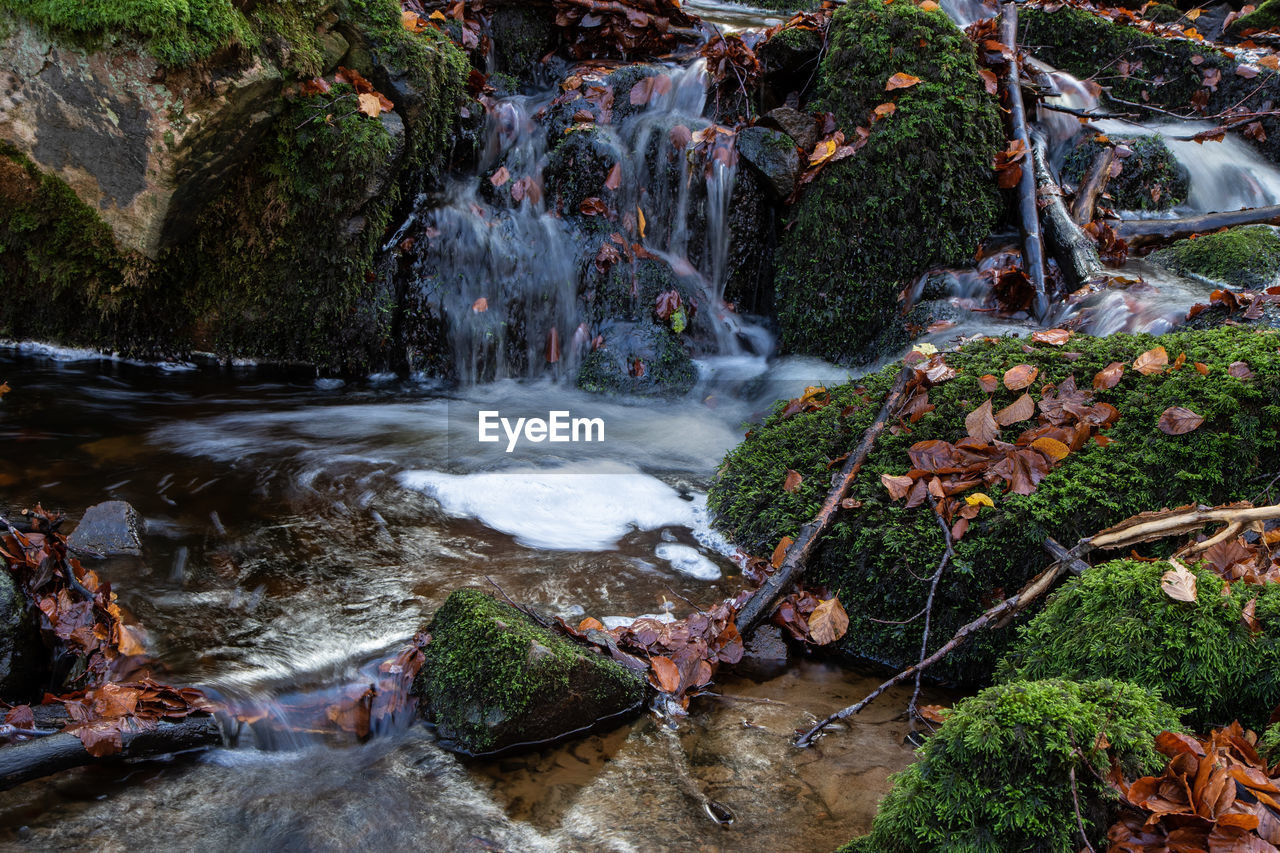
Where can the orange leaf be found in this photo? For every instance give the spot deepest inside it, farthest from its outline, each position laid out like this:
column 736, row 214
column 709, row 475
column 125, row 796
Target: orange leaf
column 989, row 383
column 590, row 624
column 792, row 482
column 901, row 81
column 480, row 306
column 1152, row 361
column 665, row 674
column 1052, row 337
column 780, row 553
column 885, row 110
column 1177, row 420
column 369, row 105
column 1051, row 447
column 1017, row 378
column 1109, row 376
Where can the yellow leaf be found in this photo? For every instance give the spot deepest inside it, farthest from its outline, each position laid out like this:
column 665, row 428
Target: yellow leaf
column 822, row 152
column 640, row 214
column 438, row 16
column 979, row 499
column 901, row 81
column 369, row 105
column 929, row 6
column 828, row 622
column 1051, row 447
column 1193, row 14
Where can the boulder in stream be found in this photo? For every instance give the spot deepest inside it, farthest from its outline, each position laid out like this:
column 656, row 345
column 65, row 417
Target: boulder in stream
column 22, row 655
column 493, row 679
column 1241, row 257
column 108, row 529
column 774, row 156
column 1150, row 178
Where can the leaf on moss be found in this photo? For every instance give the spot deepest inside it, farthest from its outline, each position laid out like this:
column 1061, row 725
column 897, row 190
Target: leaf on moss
column 1152, row 362
column 828, row 622
column 1178, row 583
column 1021, row 376
column 1109, row 376
column 901, row 80
column 981, row 424
column 1177, row 420
column 792, row 482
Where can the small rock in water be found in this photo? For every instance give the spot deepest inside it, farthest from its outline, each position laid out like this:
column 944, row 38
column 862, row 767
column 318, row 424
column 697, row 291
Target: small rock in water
column 108, row 529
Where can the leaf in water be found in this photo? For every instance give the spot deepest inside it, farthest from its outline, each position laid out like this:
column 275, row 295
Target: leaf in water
column 1020, row 409
column 664, row 674
column 615, row 177
column 1017, row 378
column 500, row 177
column 780, row 553
column 1052, row 337
column 1152, row 361
column 1178, row 583
column 1051, row 447
column 897, row 486
column 828, row 622
column 1109, row 376
column 989, row 383
column 1177, row 420
column 589, row 624
column 792, row 482
column 901, row 81
column 981, row 425
column 593, row 207
column 640, row 215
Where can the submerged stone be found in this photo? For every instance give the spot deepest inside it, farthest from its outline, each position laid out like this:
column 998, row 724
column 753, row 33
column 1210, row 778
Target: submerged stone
column 108, row 529
column 493, row 679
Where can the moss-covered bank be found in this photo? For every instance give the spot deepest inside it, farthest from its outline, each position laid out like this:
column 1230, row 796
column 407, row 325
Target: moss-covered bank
column 1243, row 257
column 997, row 776
column 1116, row 622
column 494, row 679
column 920, row 193
column 879, row 557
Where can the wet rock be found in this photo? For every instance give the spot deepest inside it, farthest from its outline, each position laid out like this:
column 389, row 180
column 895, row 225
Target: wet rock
column 767, row 654
column 140, row 146
column 752, row 242
column 773, row 155
column 1242, row 257
column 799, row 125
column 22, row 655
column 642, row 359
column 622, row 82
column 790, row 59
column 522, row 35
column 578, row 169
column 108, row 529
column 1150, row 178
column 494, row 679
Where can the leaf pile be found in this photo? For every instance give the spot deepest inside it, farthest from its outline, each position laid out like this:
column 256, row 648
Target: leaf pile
column 1232, row 301
column 811, row 619
column 1216, row 794
column 81, row 621
column 591, row 28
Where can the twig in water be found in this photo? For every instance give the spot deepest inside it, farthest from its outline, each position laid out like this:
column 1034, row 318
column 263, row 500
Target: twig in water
column 527, row 611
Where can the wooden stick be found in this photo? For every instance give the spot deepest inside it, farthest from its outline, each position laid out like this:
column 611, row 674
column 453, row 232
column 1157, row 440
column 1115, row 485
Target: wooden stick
column 1076, row 254
column 1032, row 243
column 1092, row 184
column 1139, row 233
column 761, row 604
column 1149, row 527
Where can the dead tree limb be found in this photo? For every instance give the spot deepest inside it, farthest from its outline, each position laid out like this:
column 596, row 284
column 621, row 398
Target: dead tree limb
column 33, row 759
column 1141, row 233
column 1032, row 242
column 1150, row 526
column 1076, row 254
column 1092, row 184
column 762, row 602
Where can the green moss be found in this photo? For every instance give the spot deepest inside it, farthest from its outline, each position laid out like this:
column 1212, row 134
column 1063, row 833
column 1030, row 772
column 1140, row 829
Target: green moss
column 650, row 361
column 1150, row 179
column 879, row 558
column 1162, row 13
column 1115, row 621
column 920, row 193
column 783, row 5
column 522, row 35
column 176, row 32
column 1265, row 17
column 997, row 775
column 1244, row 257
column 492, row 677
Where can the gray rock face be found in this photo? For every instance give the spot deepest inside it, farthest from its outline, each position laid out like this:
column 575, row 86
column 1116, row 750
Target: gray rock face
column 774, row 157
column 21, row 652
column 136, row 142
column 800, row 126
column 108, row 529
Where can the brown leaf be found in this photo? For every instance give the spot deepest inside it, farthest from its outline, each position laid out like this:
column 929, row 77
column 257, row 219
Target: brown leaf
column 1052, row 337
column 1202, row 368
column 1248, row 619
column 897, row 486
column 480, row 306
column 1152, row 361
column 981, row 425
column 615, row 177
column 1177, row 420
column 1020, row 409
column 369, row 104
column 780, row 553
column 792, row 482
column 664, row 674
column 989, row 383
column 1240, row 370
column 901, row 81
column 1178, row 583
column 1109, row 376
column 1017, row 378
column 500, row 177
column 828, row 622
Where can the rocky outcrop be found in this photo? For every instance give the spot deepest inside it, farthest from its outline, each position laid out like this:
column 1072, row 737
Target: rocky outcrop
column 108, row 529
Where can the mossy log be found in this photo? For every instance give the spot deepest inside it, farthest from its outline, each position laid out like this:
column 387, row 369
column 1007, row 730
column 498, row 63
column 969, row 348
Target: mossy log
column 879, row 557
column 1141, row 233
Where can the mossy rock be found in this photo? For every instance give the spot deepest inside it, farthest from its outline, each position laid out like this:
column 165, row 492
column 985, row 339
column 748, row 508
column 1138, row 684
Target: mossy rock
column 1151, row 178
column 996, row 777
column 879, row 558
column 23, row 657
column 622, row 82
column 1265, row 17
column 1165, row 72
column 1115, row 621
column 641, row 360
column 493, row 679
column 577, row 170
column 1244, row 257
column 1162, row 13
column 522, row 35
column 919, row 194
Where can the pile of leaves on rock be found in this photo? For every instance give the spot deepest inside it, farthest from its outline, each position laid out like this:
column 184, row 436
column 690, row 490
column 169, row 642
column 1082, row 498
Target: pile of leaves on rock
column 109, row 688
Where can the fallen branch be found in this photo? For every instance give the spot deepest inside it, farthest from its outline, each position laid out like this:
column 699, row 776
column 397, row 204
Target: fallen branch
column 1092, row 184
column 1151, row 232
column 947, row 556
column 1150, row 526
column 34, row 759
column 1032, row 242
column 1076, row 254
column 762, row 602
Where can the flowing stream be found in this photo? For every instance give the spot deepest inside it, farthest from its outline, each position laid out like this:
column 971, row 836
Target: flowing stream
column 299, row 532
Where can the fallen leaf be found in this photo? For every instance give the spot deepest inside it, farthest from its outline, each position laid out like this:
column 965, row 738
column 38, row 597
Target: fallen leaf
column 500, row 177
column 369, row 105
column 665, row 674
column 901, row 81
column 1017, row 378
column 1178, row 583
column 1051, row 447
column 884, row 111
column 780, row 553
column 897, row 486
column 1177, row 420
column 792, row 482
column 934, row 713
column 981, row 425
column 1109, row 376
column 989, row 383
column 1052, row 337
column 615, row 177
column 828, row 622
column 1202, row 368
column 1240, row 370
column 1152, row 362
column 1021, row 409
column 1248, row 618
column 480, row 306
column 979, row 499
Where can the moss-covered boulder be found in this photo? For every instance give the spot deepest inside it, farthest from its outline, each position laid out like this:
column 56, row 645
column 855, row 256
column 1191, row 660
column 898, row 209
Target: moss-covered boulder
column 1150, row 178
column 1162, row 13
column 493, row 679
column 1115, row 621
column 1265, row 17
column 879, row 558
column 648, row 359
column 1243, row 257
column 997, row 776
column 919, row 193
column 23, row 658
